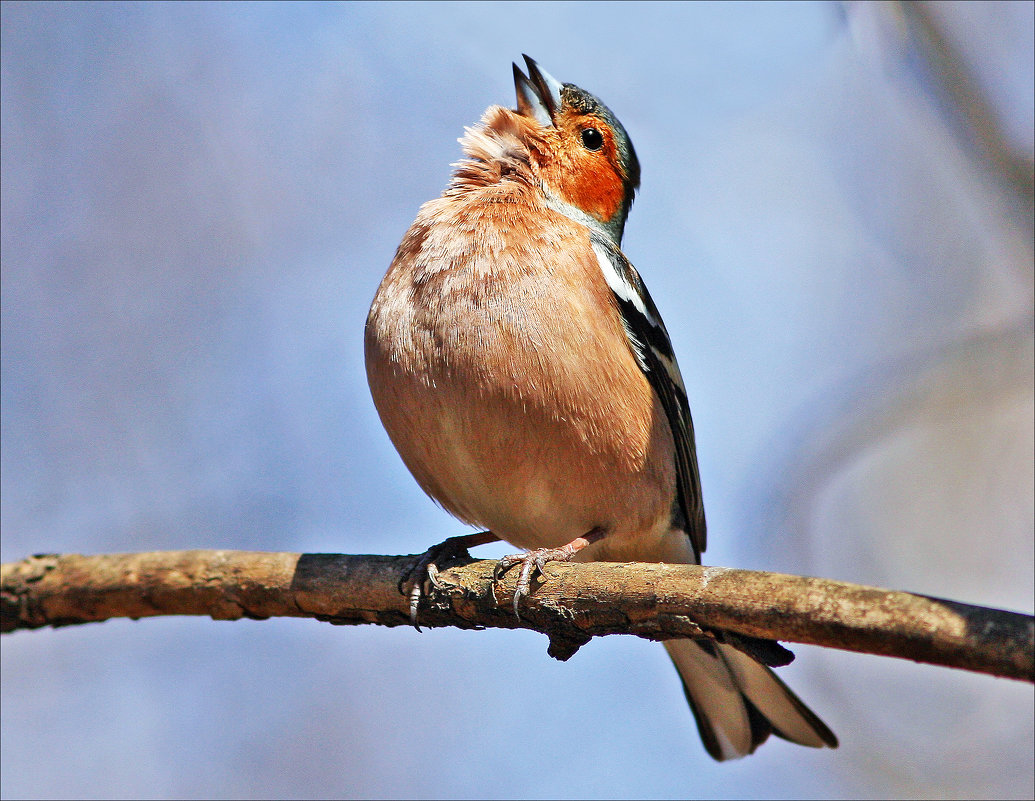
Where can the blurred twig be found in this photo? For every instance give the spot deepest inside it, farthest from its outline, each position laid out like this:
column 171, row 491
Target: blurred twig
column 572, row 603
column 962, row 92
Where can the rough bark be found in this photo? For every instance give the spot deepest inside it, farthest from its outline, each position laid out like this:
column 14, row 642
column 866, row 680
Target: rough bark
column 571, row 603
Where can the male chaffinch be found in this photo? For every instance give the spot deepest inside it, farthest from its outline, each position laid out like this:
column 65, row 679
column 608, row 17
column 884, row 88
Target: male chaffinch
column 524, row 374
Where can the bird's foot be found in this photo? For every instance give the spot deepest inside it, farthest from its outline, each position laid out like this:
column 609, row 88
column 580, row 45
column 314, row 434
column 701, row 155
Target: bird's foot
column 426, row 566
column 533, row 562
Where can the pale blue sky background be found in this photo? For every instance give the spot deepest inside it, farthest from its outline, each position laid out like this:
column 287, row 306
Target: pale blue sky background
column 198, row 202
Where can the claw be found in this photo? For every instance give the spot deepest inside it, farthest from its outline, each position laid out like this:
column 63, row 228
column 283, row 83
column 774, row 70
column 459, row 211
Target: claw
column 415, row 593
column 524, row 582
column 536, row 560
column 425, row 567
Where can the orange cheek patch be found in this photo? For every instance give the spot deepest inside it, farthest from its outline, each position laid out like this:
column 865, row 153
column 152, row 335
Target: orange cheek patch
column 588, row 181
column 599, row 190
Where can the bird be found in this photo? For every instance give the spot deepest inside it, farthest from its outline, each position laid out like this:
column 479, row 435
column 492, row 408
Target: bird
column 526, row 378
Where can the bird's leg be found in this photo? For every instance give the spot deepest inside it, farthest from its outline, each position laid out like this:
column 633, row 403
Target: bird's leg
column 426, row 566
column 534, row 560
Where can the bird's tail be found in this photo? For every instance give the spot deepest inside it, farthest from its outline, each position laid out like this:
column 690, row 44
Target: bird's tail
column 738, row 702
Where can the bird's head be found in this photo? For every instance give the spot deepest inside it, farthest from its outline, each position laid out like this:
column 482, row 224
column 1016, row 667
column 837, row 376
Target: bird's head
column 563, row 142
column 579, row 150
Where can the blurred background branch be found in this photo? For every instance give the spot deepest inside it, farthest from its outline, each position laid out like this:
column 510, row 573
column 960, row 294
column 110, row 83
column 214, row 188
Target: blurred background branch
column 977, row 120
column 572, row 603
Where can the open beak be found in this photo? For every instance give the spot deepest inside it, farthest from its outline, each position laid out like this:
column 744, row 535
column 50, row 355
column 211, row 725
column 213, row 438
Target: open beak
column 538, row 93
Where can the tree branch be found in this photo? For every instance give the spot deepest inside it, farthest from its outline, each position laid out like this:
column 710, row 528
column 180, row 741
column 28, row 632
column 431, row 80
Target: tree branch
column 571, row 604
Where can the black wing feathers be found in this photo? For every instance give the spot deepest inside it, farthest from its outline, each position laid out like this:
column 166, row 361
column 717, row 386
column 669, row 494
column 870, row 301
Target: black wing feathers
column 652, row 348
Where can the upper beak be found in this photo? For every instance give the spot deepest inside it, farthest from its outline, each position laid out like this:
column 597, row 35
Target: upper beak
column 538, row 94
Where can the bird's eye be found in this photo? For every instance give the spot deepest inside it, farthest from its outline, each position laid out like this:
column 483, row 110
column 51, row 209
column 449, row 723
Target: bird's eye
column 592, row 139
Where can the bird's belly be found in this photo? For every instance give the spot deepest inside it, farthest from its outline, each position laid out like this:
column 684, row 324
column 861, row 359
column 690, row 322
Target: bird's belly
column 506, row 479
column 534, row 477
column 516, row 405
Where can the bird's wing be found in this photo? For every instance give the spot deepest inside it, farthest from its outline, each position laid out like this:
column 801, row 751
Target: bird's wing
column 652, row 347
